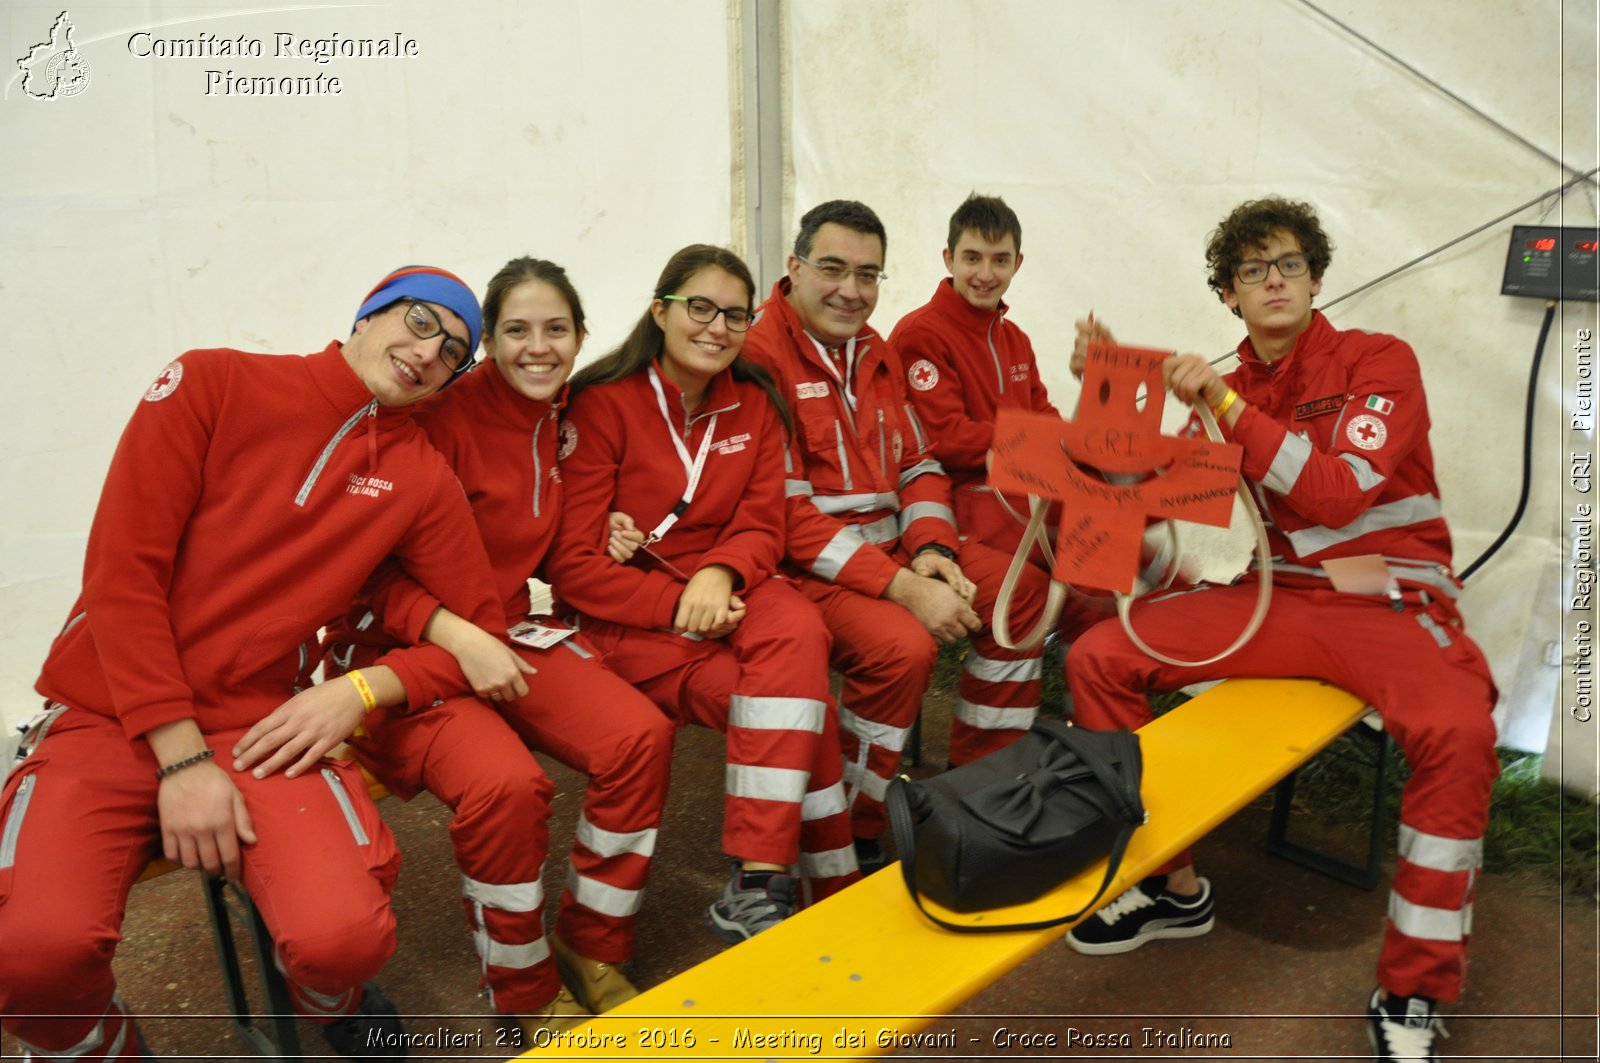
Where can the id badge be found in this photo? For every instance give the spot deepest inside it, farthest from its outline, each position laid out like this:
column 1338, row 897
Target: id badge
column 537, row 636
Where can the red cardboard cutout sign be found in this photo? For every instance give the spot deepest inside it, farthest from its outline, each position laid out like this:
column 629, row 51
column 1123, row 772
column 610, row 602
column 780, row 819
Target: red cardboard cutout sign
column 1112, row 468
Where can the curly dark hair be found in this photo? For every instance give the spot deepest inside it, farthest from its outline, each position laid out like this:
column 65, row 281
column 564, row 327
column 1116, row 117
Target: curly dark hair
column 1251, row 224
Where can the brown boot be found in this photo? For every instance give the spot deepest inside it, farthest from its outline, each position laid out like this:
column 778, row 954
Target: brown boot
column 600, row 986
column 562, row 1013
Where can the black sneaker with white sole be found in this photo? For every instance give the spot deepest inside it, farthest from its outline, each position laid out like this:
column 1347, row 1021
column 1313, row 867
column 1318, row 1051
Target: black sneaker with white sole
column 1145, row 913
column 1403, row 1029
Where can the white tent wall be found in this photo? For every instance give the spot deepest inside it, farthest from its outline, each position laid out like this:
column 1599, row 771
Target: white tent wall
column 143, row 217
column 1123, row 133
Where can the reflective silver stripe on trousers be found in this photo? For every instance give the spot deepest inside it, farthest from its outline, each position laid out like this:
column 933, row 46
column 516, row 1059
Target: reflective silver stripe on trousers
column 796, row 488
column 607, row 843
column 575, row 648
column 342, row 797
column 325, row 1004
column 506, row 897
column 871, row 732
column 820, row 804
column 1366, row 476
column 838, row 505
column 831, row 864
column 1287, row 464
column 1429, row 924
column 995, row 717
column 917, row 510
column 989, row 670
column 883, row 530
column 1440, row 854
column 859, row 778
column 518, row 957
column 776, row 714
column 924, row 467
column 91, row 1041
column 1396, row 514
column 765, row 784
column 603, row 897
column 840, row 549
column 1440, row 635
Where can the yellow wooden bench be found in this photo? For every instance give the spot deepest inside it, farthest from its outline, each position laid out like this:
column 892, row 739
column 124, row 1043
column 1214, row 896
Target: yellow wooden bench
column 867, row 951
column 269, row 1030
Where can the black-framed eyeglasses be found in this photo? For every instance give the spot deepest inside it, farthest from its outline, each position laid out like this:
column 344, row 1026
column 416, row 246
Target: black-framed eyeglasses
column 1254, row 270
column 835, row 272
column 424, row 323
column 705, row 311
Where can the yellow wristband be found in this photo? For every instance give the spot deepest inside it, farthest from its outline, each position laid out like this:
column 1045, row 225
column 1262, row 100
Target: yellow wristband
column 1221, row 408
column 367, row 698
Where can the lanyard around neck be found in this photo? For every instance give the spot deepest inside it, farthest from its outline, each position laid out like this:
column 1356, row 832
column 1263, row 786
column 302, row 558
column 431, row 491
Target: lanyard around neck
column 692, row 468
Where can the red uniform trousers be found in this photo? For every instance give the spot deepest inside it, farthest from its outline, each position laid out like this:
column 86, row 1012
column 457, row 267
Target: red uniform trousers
column 887, row 658
column 477, row 760
column 766, row 687
column 1418, row 668
column 80, row 824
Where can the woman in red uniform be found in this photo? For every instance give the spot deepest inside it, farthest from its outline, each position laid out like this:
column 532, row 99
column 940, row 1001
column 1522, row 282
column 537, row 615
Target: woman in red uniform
column 675, row 430
column 498, row 428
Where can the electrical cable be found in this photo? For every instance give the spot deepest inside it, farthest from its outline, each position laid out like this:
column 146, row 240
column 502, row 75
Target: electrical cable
column 1381, row 50
column 1527, row 445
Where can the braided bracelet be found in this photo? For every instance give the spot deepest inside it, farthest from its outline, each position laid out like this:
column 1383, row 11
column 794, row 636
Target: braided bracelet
column 186, row 762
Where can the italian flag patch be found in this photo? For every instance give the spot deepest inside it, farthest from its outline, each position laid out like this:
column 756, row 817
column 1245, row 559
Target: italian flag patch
column 1379, row 404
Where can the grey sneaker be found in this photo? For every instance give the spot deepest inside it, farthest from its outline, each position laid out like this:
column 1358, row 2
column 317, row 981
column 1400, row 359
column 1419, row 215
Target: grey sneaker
column 1402, row 1029
column 1145, row 913
column 744, row 911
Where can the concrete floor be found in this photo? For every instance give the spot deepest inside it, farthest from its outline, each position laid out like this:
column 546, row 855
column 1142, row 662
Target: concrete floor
column 1284, row 975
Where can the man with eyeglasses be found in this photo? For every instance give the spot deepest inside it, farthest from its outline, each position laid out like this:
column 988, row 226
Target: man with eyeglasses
column 1334, row 427
column 249, row 498
column 871, row 533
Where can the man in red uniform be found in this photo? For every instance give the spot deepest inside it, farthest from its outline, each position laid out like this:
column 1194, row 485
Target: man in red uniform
column 248, row 499
column 871, row 532
column 1334, row 427
column 965, row 360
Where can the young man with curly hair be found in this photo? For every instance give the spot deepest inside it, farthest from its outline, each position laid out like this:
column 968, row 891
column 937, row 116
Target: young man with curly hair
column 1334, row 426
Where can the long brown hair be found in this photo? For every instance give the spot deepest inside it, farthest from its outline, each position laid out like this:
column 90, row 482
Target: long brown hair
column 646, row 342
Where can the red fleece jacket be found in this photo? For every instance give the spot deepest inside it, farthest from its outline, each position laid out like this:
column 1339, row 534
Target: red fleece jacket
column 622, row 457
column 248, row 499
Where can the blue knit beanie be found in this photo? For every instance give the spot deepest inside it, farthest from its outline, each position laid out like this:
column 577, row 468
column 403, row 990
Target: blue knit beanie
column 429, row 284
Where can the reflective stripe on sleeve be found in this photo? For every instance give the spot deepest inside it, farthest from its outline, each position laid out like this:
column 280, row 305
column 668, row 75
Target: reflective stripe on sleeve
column 840, row 549
column 1397, row 514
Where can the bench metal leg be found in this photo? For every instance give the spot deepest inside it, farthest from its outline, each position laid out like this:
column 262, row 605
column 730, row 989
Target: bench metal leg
column 1366, row 875
column 226, row 902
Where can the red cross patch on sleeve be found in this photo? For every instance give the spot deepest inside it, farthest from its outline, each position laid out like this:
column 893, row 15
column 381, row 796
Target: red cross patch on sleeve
column 165, row 384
